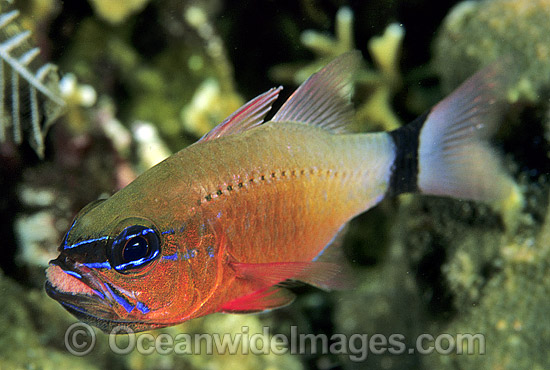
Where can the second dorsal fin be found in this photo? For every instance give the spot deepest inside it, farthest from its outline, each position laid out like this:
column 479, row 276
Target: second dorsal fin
column 246, row 117
column 324, row 99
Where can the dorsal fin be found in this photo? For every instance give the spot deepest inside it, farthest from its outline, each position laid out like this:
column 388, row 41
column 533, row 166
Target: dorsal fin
column 324, row 99
column 246, row 117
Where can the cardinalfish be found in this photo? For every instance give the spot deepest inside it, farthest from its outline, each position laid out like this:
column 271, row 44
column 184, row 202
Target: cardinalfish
column 221, row 225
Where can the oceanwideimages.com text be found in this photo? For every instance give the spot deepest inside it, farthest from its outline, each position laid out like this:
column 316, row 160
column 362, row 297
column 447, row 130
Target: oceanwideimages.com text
column 80, row 340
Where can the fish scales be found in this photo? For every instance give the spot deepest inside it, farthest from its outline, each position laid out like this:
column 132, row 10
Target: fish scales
column 320, row 192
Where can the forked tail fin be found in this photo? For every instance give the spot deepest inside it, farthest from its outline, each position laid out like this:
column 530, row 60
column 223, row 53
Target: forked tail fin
column 446, row 151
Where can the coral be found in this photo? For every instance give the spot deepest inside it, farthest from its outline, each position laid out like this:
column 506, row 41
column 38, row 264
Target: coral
column 451, row 267
column 116, row 12
column 78, row 97
column 150, row 147
column 214, row 325
column 215, row 98
column 208, row 107
column 156, row 94
column 30, row 100
column 386, row 302
column 385, row 51
column 382, row 83
column 486, row 281
column 476, row 33
column 38, row 247
column 324, row 46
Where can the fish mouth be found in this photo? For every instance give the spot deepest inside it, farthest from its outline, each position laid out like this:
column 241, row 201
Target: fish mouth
column 68, row 278
column 75, row 303
column 80, row 293
column 106, row 321
column 86, row 297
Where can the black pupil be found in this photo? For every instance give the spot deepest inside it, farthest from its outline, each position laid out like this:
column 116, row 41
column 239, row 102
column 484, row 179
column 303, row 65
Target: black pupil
column 136, row 248
column 133, row 248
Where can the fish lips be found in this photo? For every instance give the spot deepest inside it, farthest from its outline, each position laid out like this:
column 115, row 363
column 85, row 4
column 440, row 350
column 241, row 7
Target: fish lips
column 75, row 304
column 92, row 303
column 80, row 293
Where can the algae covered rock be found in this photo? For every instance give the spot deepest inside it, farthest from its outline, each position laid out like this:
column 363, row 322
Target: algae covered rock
column 475, row 33
column 511, row 310
column 31, row 331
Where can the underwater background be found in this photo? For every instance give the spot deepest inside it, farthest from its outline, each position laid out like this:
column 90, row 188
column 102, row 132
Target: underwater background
column 131, row 81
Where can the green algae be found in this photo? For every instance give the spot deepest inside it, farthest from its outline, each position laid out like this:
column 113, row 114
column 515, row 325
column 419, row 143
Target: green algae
column 30, row 335
column 477, row 33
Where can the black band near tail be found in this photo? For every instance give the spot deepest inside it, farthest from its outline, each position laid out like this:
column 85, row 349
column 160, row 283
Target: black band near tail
column 405, row 167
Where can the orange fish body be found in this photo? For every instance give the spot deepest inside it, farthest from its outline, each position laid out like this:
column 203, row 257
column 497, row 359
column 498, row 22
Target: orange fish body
column 263, row 203
column 219, row 225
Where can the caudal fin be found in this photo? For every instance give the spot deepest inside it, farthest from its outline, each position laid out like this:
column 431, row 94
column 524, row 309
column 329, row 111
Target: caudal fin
column 454, row 157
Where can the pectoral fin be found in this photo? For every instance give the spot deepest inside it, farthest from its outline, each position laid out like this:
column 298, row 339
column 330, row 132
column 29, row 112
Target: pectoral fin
column 260, row 300
column 323, row 275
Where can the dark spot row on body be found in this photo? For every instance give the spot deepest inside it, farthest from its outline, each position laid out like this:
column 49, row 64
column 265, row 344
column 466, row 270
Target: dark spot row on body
column 273, row 175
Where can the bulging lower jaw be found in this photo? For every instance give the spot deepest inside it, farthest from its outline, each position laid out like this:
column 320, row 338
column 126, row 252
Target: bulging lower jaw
column 79, row 293
column 87, row 309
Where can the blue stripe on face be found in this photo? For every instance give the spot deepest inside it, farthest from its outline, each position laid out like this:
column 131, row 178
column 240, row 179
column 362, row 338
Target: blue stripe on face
column 169, row 232
column 171, row 257
column 101, row 295
column 98, row 265
column 84, row 242
column 142, row 307
column 67, row 235
column 120, row 299
column 128, row 237
column 72, row 273
column 138, row 262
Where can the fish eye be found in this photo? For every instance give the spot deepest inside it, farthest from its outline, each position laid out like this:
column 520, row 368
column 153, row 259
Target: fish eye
column 135, row 247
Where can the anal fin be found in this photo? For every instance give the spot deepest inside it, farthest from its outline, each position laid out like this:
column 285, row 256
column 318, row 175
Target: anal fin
column 333, row 254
